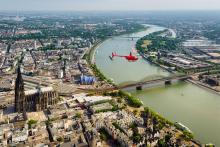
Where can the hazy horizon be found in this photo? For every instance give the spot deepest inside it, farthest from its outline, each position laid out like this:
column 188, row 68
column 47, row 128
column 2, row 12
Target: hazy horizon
column 108, row 5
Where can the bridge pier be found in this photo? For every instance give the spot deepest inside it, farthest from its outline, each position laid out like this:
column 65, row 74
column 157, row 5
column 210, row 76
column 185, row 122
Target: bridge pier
column 139, row 88
column 168, row 82
column 155, row 83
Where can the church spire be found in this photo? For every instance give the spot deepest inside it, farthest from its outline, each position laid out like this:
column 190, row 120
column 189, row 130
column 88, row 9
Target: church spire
column 19, row 93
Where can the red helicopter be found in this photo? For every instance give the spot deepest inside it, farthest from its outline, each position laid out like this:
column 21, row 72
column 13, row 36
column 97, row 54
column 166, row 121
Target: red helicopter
column 130, row 57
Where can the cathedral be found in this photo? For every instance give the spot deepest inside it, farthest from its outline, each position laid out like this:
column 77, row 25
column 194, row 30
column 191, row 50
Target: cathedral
column 37, row 99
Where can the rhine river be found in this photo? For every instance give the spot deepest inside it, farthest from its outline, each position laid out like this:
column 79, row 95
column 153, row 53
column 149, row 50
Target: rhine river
column 195, row 107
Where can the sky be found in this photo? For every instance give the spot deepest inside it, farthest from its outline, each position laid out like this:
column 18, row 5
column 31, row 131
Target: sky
column 108, row 5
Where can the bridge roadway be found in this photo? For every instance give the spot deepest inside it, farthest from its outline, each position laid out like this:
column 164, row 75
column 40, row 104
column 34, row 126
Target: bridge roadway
column 151, row 83
column 135, row 37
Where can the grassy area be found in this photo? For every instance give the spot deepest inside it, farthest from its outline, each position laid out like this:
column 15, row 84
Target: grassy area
column 155, row 42
column 146, row 43
column 111, row 102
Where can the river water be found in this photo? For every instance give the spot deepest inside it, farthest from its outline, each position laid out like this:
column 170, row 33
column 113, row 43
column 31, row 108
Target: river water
column 183, row 102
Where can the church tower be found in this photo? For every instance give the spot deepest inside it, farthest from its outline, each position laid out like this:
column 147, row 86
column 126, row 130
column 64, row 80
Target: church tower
column 19, row 93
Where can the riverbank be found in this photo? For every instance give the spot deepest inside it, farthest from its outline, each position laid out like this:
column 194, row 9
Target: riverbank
column 155, row 63
column 199, row 84
column 93, row 49
column 205, row 87
column 90, row 55
column 179, row 103
column 167, row 68
column 91, row 52
column 132, row 101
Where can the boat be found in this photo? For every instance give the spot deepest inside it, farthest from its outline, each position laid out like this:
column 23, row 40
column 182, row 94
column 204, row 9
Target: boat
column 182, row 127
column 210, row 145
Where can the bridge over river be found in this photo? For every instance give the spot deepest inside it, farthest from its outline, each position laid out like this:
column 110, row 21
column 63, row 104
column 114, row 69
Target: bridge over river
column 131, row 37
column 134, row 37
column 153, row 83
column 182, row 102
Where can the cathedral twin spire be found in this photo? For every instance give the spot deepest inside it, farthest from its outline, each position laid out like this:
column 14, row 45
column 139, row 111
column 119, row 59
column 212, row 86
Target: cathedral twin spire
column 19, row 93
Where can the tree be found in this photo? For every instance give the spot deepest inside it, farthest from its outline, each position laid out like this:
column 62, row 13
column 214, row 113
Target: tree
column 187, row 135
column 146, row 112
column 31, row 122
column 135, row 112
column 78, row 115
column 155, row 120
column 167, row 138
column 60, row 139
column 161, row 143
